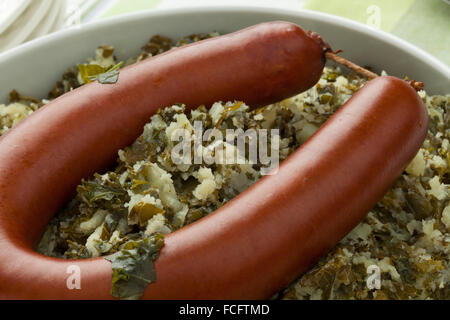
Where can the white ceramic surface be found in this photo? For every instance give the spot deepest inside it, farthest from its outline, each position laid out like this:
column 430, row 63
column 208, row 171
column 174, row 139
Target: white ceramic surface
column 59, row 21
column 47, row 21
column 10, row 10
column 24, row 25
column 34, row 67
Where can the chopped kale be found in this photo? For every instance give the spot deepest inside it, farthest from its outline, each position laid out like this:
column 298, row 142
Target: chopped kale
column 132, row 267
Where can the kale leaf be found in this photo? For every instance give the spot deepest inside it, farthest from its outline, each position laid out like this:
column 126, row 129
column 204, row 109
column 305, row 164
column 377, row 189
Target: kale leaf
column 133, row 268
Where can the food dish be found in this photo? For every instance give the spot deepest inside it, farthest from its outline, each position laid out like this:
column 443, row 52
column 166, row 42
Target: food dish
column 50, row 56
column 378, row 83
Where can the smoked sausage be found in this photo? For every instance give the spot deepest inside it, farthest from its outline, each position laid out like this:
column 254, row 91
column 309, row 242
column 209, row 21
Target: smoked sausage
column 267, row 236
column 258, row 242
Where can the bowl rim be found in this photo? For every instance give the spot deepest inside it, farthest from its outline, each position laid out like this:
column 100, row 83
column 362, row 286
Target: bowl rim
column 392, row 40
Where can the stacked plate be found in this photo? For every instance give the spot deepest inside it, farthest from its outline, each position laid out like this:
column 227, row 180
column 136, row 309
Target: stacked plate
column 24, row 20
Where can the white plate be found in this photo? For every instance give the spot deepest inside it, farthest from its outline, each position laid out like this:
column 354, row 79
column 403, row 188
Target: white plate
column 59, row 21
column 34, row 67
column 47, row 21
column 24, row 25
column 10, row 10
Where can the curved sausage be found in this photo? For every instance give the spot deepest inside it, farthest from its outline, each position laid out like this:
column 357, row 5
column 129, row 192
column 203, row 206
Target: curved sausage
column 267, row 236
column 44, row 157
column 257, row 243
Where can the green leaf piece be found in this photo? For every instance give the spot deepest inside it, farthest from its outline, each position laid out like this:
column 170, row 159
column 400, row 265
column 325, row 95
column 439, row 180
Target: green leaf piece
column 133, row 268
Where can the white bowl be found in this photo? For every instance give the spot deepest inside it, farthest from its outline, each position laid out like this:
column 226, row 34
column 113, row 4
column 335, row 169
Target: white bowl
column 34, row 67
